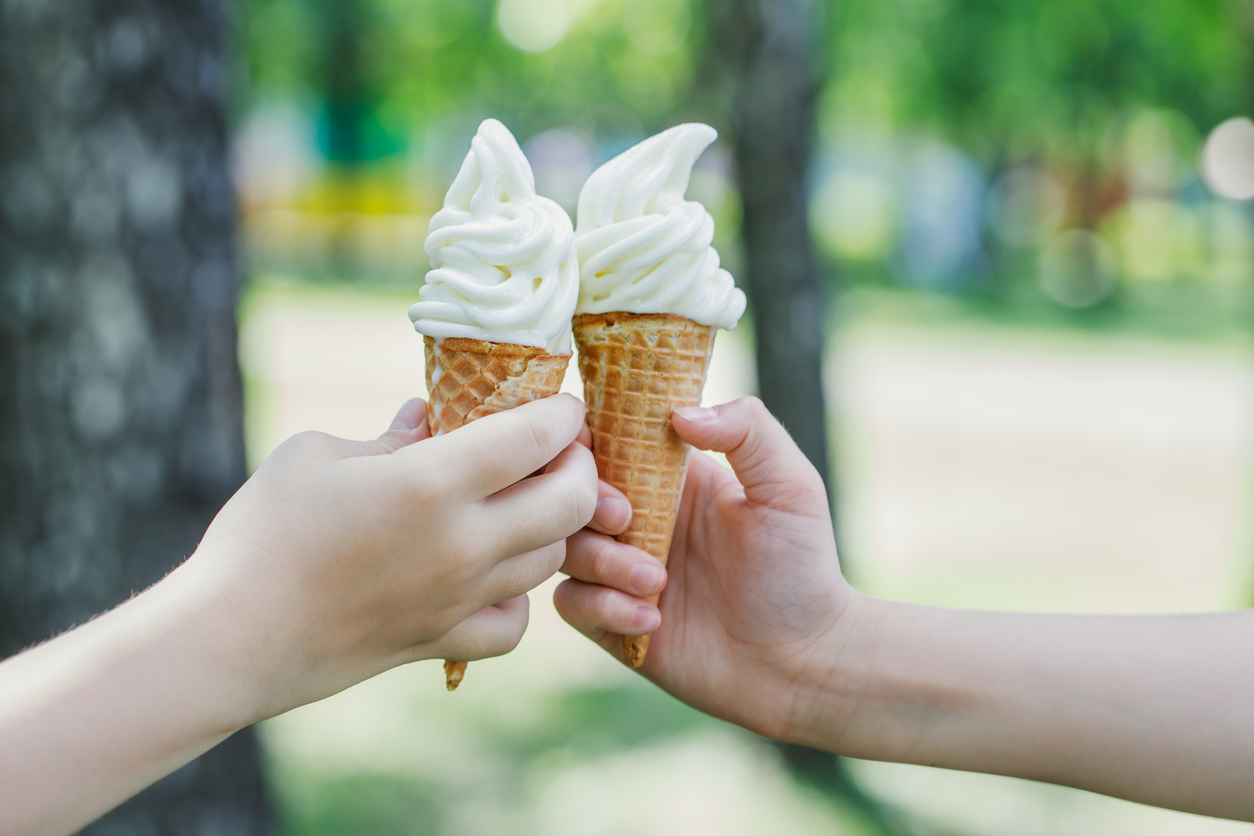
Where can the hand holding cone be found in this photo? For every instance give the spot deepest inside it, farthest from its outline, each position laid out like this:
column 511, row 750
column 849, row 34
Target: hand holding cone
column 651, row 294
column 496, row 306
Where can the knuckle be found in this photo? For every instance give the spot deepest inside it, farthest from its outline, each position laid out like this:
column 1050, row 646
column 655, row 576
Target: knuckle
column 298, row 451
column 461, row 561
column 572, row 552
column 586, row 500
column 561, row 598
column 753, row 405
column 601, row 560
column 586, row 491
column 421, row 487
column 568, row 600
column 479, row 554
column 564, row 426
column 540, row 434
column 556, row 557
column 608, row 604
column 304, row 443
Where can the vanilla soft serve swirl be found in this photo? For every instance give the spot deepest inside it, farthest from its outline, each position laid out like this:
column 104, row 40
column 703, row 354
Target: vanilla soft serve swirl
column 503, row 261
column 642, row 247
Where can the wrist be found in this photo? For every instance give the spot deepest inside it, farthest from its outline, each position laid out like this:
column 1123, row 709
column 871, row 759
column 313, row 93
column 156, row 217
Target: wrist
column 218, row 654
column 832, row 682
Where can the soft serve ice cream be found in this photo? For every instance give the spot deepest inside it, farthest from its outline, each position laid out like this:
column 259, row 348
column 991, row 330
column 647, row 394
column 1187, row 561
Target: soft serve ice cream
column 503, row 261
column 643, row 248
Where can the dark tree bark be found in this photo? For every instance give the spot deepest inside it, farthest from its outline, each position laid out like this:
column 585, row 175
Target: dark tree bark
column 769, row 49
column 765, row 54
column 120, row 398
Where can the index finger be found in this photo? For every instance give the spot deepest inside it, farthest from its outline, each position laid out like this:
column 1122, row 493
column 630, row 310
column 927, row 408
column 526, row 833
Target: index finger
column 496, row 451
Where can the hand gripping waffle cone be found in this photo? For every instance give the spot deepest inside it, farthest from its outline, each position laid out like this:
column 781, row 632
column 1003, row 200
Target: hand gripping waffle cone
column 636, row 369
column 468, row 379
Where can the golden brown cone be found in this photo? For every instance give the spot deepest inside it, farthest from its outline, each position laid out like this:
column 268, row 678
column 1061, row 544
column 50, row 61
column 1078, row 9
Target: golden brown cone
column 638, row 368
column 478, row 378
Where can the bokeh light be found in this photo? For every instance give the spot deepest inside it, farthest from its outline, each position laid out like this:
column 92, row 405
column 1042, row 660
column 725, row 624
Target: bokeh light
column 854, row 213
column 533, row 25
column 943, row 203
column 1158, row 151
column 656, row 27
column 274, row 155
column 1228, row 159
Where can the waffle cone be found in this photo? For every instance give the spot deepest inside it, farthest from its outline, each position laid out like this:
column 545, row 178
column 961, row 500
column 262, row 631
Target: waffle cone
column 636, row 369
column 468, row 379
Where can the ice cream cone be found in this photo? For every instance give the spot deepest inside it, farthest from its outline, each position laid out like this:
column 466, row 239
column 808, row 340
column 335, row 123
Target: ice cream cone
column 636, row 369
column 468, row 379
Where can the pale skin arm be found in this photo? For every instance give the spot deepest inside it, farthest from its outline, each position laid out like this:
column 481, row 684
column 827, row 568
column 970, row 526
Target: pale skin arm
column 758, row 627
column 337, row 561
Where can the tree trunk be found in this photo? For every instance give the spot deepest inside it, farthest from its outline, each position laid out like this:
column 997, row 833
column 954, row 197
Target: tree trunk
column 767, row 53
column 120, row 398
column 769, row 50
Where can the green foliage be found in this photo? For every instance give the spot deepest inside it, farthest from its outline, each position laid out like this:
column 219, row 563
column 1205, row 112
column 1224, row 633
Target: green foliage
column 960, row 141
column 623, row 66
column 1022, row 77
column 997, row 77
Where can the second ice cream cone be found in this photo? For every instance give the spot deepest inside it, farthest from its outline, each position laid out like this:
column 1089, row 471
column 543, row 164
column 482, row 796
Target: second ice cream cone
column 468, row 379
column 636, row 369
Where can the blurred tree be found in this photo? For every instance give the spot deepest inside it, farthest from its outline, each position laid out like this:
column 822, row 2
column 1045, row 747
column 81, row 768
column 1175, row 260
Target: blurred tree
column 121, row 426
column 769, row 50
column 768, row 54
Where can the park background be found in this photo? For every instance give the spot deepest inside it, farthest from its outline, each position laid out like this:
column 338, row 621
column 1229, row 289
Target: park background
column 999, row 258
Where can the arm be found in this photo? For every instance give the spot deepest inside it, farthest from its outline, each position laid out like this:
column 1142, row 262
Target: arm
column 759, row 628
column 94, row 716
column 1158, row 710
column 338, row 560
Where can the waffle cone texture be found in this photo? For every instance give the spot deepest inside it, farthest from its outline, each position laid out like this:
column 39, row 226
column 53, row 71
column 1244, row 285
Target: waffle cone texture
column 468, row 379
column 637, row 369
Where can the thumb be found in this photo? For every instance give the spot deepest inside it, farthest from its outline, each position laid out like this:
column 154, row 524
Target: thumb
column 408, row 427
column 766, row 459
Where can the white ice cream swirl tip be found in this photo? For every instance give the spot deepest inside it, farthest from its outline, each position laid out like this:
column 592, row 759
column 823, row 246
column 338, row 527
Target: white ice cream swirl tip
column 503, row 262
column 642, row 247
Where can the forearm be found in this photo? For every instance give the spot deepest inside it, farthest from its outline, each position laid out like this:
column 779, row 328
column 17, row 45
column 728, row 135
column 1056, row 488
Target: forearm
column 1154, row 709
column 94, row 716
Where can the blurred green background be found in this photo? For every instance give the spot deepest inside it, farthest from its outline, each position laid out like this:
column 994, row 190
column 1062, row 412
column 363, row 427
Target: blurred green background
column 1033, row 225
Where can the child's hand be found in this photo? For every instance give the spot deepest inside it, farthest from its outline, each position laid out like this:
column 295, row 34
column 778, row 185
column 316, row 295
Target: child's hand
column 754, row 591
column 341, row 559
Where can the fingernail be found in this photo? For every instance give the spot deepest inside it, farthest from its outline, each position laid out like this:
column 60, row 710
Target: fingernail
column 646, row 619
column 647, row 578
column 612, row 512
column 697, row 414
